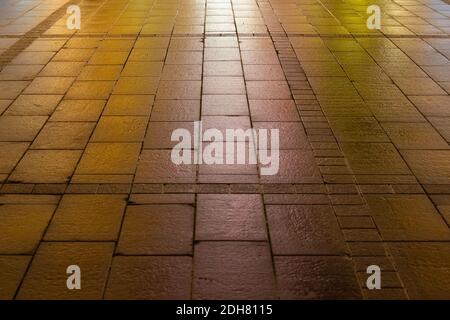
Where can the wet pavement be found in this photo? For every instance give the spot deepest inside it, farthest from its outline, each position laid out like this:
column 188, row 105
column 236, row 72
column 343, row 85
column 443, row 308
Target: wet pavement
column 86, row 177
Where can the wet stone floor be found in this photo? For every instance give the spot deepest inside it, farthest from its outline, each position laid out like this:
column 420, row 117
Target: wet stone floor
column 86, row 179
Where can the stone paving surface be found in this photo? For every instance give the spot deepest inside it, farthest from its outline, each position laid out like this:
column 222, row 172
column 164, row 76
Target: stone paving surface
column 85, row 171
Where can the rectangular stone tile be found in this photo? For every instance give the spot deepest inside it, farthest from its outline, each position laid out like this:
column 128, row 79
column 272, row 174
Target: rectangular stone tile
column 222, row 68
column 357, row 129
column 230, row 217
column 223, row 85
column 166, row 198
column 147, row 55
column 176, row 110
column 142, row 69
column 179, row 90
column 136, row 85
column 49, row 85
column 96, row 72
column 273, row 110
column 86, row 90
column 432, row 106
column 63, row 135
column 156, row 166
column 157, row 230
column 374, row 158
column 23, row 128
column 79, row 54
column 182, row 72
column 34, row 105
column 120, row 129
column 87, row 218
column 150, row 278
column 233, row 270
column 109, row 158
column 22, row 227
column 429, row 166
column 78, row 110
column 108, row 57
column 261, row 90
column 295, row 166
column 235, row 105
column 129, row 105
column 27, row 57
column 46, row 278
column 46, row 166
column 414, row 136
column 20, row 72
column 10, row 154
column 12, row 270
column 423, row 268
column 305, row 230
column 159, row 134
column 398, row 218
column 12, row 89
column 291, row 134
column 316, row 278
column 62, row 69
column 184, row 57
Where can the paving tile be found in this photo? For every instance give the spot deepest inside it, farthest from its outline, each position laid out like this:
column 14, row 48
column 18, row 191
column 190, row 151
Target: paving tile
column 178, row 90
column 109, row 158
column 156, row 166
column 224, row 105
column 222, row 68
column 78, row 110
column 49, row 85
column 273, row 110
column 230, row 217
column 120, row 129
column 316, row 278
column 10, row 154
column 305, row 168
column 429, row 166
column 64, row 135
column 12, row 89
column 96, row 72
column 129, row 105
column 397, row 218
column 148, row 278
column 136, row 85
column 46, row 278
column 32, row 219
column 292, row 134
column 223, row 85
column 87, row 90
column 263, row 72
column 374, row 158
column 422, row 267
column 34, row 105
column 157, row 230
column 142, row 69
column 357, row 129
column 12, row 270
column 62, row 69
column 182, row 72
column 261, row 90
column 87, row 218
column 414, row 136
column 304, row 230
column 46, row 166
column 159, row 134
column 20, row 72
column 176, row 110
column 233, row 270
